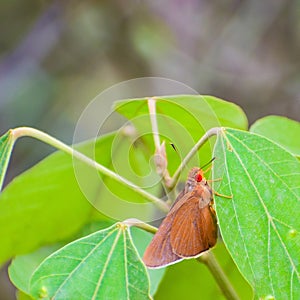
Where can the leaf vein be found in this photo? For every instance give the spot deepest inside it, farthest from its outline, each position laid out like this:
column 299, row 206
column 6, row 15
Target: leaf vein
column 82, row 261
column 106, row 263
column 137, row 289
column 125, row 266
column 269, row 251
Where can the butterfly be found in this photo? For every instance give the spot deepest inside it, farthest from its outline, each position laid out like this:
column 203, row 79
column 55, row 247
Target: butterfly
column 190, row 226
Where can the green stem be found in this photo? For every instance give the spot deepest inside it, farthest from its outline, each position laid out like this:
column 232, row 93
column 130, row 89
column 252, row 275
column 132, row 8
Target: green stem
column 203, row 139
column 152, row 114
column 31, row 132
column 210, row 261
column 140, row 224
column 160, row 150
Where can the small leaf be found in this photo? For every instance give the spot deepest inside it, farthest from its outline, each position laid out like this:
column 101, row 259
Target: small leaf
column 6, row 145
column 103, row 265
column 281, row 130
column 260, row 225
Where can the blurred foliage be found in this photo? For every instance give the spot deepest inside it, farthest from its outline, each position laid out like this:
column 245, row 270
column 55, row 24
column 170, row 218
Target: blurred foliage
column 55, row 56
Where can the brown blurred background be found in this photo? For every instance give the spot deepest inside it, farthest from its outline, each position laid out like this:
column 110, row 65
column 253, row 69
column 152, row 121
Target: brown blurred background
column 55, row 56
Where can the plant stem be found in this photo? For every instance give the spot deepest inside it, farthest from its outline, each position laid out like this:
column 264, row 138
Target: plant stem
column 42, row 136
column 140, row 224
column 210, row 261
column 152, row 114
column 203, row 139
column 161, row 161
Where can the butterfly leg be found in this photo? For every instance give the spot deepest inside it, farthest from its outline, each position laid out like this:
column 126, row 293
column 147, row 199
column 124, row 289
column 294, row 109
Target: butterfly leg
column 216, row 193
column 213, row 180
column 221, row 195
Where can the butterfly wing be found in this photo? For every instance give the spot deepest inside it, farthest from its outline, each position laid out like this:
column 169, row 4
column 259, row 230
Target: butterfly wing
column 159, row 253
column 194, row 229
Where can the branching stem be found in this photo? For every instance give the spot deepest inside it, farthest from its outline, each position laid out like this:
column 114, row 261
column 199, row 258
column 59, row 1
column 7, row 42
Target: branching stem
column 211, row 132
column 46, row 138
column 140, row 224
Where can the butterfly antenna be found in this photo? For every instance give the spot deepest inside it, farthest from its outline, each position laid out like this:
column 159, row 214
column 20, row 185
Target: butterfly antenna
column 208, row 163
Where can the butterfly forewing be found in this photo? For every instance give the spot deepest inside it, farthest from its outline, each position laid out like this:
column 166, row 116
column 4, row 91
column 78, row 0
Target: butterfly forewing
column 159, row 252
column 194, row 230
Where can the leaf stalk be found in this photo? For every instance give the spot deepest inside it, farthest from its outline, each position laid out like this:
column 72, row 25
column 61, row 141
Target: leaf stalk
column 46, row 138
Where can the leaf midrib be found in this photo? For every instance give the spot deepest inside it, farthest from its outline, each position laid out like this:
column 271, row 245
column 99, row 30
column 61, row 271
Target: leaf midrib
column 106, row 262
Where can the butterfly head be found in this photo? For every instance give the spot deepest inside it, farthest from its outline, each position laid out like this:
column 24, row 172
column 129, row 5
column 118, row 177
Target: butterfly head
column 199, row 176
column 195, row 177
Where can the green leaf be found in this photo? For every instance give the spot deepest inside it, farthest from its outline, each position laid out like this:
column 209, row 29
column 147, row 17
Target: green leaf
column 23, row 266
column 281, row 130
column 182, row 120
column 260, row 225
column 103, row 265
column 41, row 206
column 192, row 280
column 213, row 110
column 6, row 145
column 49, row 202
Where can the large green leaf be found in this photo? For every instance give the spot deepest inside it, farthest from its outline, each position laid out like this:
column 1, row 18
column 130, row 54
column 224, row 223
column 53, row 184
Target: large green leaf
column 42, row 205
column 103, row 265
column 46, row 204
column 284, row 131
column 6, row 145
column 23, row 266
column 260, row 225
column 192, row 280
column 182, row 120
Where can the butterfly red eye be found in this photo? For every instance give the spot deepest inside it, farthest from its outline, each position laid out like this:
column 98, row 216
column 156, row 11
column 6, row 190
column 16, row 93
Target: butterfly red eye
column 198, row 177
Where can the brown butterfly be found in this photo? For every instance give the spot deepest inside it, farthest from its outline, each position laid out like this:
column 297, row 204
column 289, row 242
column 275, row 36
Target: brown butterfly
column 189, row 228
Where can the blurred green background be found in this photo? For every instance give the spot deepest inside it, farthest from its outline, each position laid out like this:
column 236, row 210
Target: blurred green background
column 56, row 56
